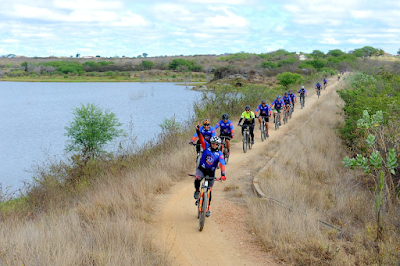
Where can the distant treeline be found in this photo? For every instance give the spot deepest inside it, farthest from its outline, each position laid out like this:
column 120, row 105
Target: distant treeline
column 266, row 64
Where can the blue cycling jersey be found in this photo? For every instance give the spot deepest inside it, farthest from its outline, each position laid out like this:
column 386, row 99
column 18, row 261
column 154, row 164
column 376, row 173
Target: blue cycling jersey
column 292, row 96
column 302, row 91
column 277, row 103
column 264, row 110
column 226, row 128
column 287, row 99
column 207, row 134
column 318, row 85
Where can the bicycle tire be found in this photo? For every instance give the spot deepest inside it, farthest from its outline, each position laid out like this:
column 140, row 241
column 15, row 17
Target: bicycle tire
column 276, row 119
column 203, row 211
column 198, row 159
column 244, row 142
column 262, row 131
column 249, row 141
column 318, row 93
column 290, row 112
column 226, row 157
column 285, row 117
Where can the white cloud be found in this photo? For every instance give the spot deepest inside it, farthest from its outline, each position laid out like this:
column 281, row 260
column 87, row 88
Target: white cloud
column 228, row 21
column 88, row 4
column 202, row 35
column 10, row 41
column 329, row 41
column 130, row 19
column 40, row 35
column 357, row 41
column 224, row 2
column 292, row 9
column 361, row 14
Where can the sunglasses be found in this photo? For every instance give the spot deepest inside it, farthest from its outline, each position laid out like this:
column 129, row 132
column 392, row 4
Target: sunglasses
column 206, row 124
column 247, row 109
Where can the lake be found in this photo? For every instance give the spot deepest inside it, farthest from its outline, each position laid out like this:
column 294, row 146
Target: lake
column 33, row 116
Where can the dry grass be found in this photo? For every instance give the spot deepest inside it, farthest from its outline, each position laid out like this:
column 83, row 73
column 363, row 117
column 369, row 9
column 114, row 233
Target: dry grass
column 307, row 175
column 108, row 224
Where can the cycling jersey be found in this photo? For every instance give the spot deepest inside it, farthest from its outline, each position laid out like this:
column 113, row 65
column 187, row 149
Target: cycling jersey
column 325, row 81
column 292, row 97
column 287, row 100
column 226, row 128
column 302, row 91
column 264, row 111
column 318, row 86
column 207, row 134
column 247, row 116
column 277, row 103
column 210, row 159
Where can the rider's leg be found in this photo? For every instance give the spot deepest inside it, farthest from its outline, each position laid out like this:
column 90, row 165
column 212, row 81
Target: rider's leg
column 200, row 174
column 259, row 120
column 252, row 134
column 228, row 144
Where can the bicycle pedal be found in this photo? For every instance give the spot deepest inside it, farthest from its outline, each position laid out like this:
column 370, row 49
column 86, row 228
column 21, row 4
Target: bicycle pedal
column 196, row 203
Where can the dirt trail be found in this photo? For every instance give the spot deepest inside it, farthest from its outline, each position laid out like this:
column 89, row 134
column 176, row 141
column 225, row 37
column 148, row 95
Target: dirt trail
column 226, row 239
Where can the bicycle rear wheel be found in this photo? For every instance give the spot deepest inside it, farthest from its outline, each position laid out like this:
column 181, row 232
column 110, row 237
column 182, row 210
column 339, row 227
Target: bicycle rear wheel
column 318, row 93
column 290, row 112
column 203, row 211
column 276, row 119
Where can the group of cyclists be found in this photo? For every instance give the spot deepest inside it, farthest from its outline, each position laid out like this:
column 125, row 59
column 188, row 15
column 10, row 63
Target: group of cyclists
column 211, row 143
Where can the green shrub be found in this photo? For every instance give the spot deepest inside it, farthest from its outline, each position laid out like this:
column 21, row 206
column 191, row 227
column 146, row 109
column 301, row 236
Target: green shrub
column 270, row 65
column 287, row 78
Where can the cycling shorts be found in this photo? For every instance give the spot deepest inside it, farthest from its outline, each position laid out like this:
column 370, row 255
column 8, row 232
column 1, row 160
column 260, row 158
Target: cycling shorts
column 278, row 109
column 225, row 135
column 266, row 117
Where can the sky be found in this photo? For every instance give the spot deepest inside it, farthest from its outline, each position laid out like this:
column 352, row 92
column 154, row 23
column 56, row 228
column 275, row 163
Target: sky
column 174, row 27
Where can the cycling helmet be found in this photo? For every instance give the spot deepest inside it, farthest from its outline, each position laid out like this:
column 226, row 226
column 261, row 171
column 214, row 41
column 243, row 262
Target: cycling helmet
column 225, row 116
column 247, row 107
column 206, row 121
column 263, row 101
column 286, row 93
column 215, row 139
column 290, row 91
column 278, row 97
column 302, row 87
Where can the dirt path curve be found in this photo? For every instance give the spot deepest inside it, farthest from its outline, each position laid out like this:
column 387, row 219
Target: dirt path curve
column 226, row 238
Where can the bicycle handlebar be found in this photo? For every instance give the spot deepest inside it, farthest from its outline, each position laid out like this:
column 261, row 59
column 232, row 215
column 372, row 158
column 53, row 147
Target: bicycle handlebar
column 207, row 177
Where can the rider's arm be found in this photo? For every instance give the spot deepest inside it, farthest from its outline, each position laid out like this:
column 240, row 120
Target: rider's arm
column 217, row 125
column 222, row 163
column 202, row 142
column 194, row 137
column 258, row 108
column 232, row 128
column 213, row 132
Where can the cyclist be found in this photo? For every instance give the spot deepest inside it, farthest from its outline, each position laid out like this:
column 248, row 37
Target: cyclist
column 278, row 105
column 207, row 131
column 325, row 82
column 208, row 163
column 248, row 117
column 338, row 76
column 288, row 101
column 318, row 87
column 265, row 112
column 226, row 130
column 303, row 93
column 293, row 98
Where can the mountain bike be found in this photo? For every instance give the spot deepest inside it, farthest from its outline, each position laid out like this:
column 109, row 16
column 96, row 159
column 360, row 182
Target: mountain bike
column 263, row 130
column 318, row 93
column 302, row 100
column 338, row 78
column 203, row 201
column 276, row 119
column 226, row 156
column 290, row 110
column 286, row 115
column 246, row 138
column 325, row 86
column 199, row 154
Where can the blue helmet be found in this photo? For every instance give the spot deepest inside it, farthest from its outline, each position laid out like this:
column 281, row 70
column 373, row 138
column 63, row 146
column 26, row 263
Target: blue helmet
column 278, row 97
column 286, row 93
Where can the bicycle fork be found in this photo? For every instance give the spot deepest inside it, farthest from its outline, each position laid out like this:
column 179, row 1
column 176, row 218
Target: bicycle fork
column 201, row 200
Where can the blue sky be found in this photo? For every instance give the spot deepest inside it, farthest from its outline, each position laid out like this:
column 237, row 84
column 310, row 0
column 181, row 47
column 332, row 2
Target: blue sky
column 130, row 28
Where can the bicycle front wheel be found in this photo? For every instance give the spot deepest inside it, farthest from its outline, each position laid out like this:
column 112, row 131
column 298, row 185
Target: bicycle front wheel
column 249, row 141
column 226, row 155
column 262, row 131
column 244, row 142
column 203, row 211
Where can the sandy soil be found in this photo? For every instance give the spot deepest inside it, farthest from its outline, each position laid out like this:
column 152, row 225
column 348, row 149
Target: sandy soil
column 226, row 238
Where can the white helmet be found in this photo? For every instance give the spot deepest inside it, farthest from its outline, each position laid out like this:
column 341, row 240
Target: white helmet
column 215, row 139
column 302, row 87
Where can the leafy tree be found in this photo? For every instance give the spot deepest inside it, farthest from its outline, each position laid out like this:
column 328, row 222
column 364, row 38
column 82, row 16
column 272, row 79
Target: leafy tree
column 78, row 55
column 336, row 52
column 287, row 78
column 91, row 129
column 317, row 54
column 398, row 52
column 145, row 55
column 285, row 62
column 270, row 65
column 147, row 64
